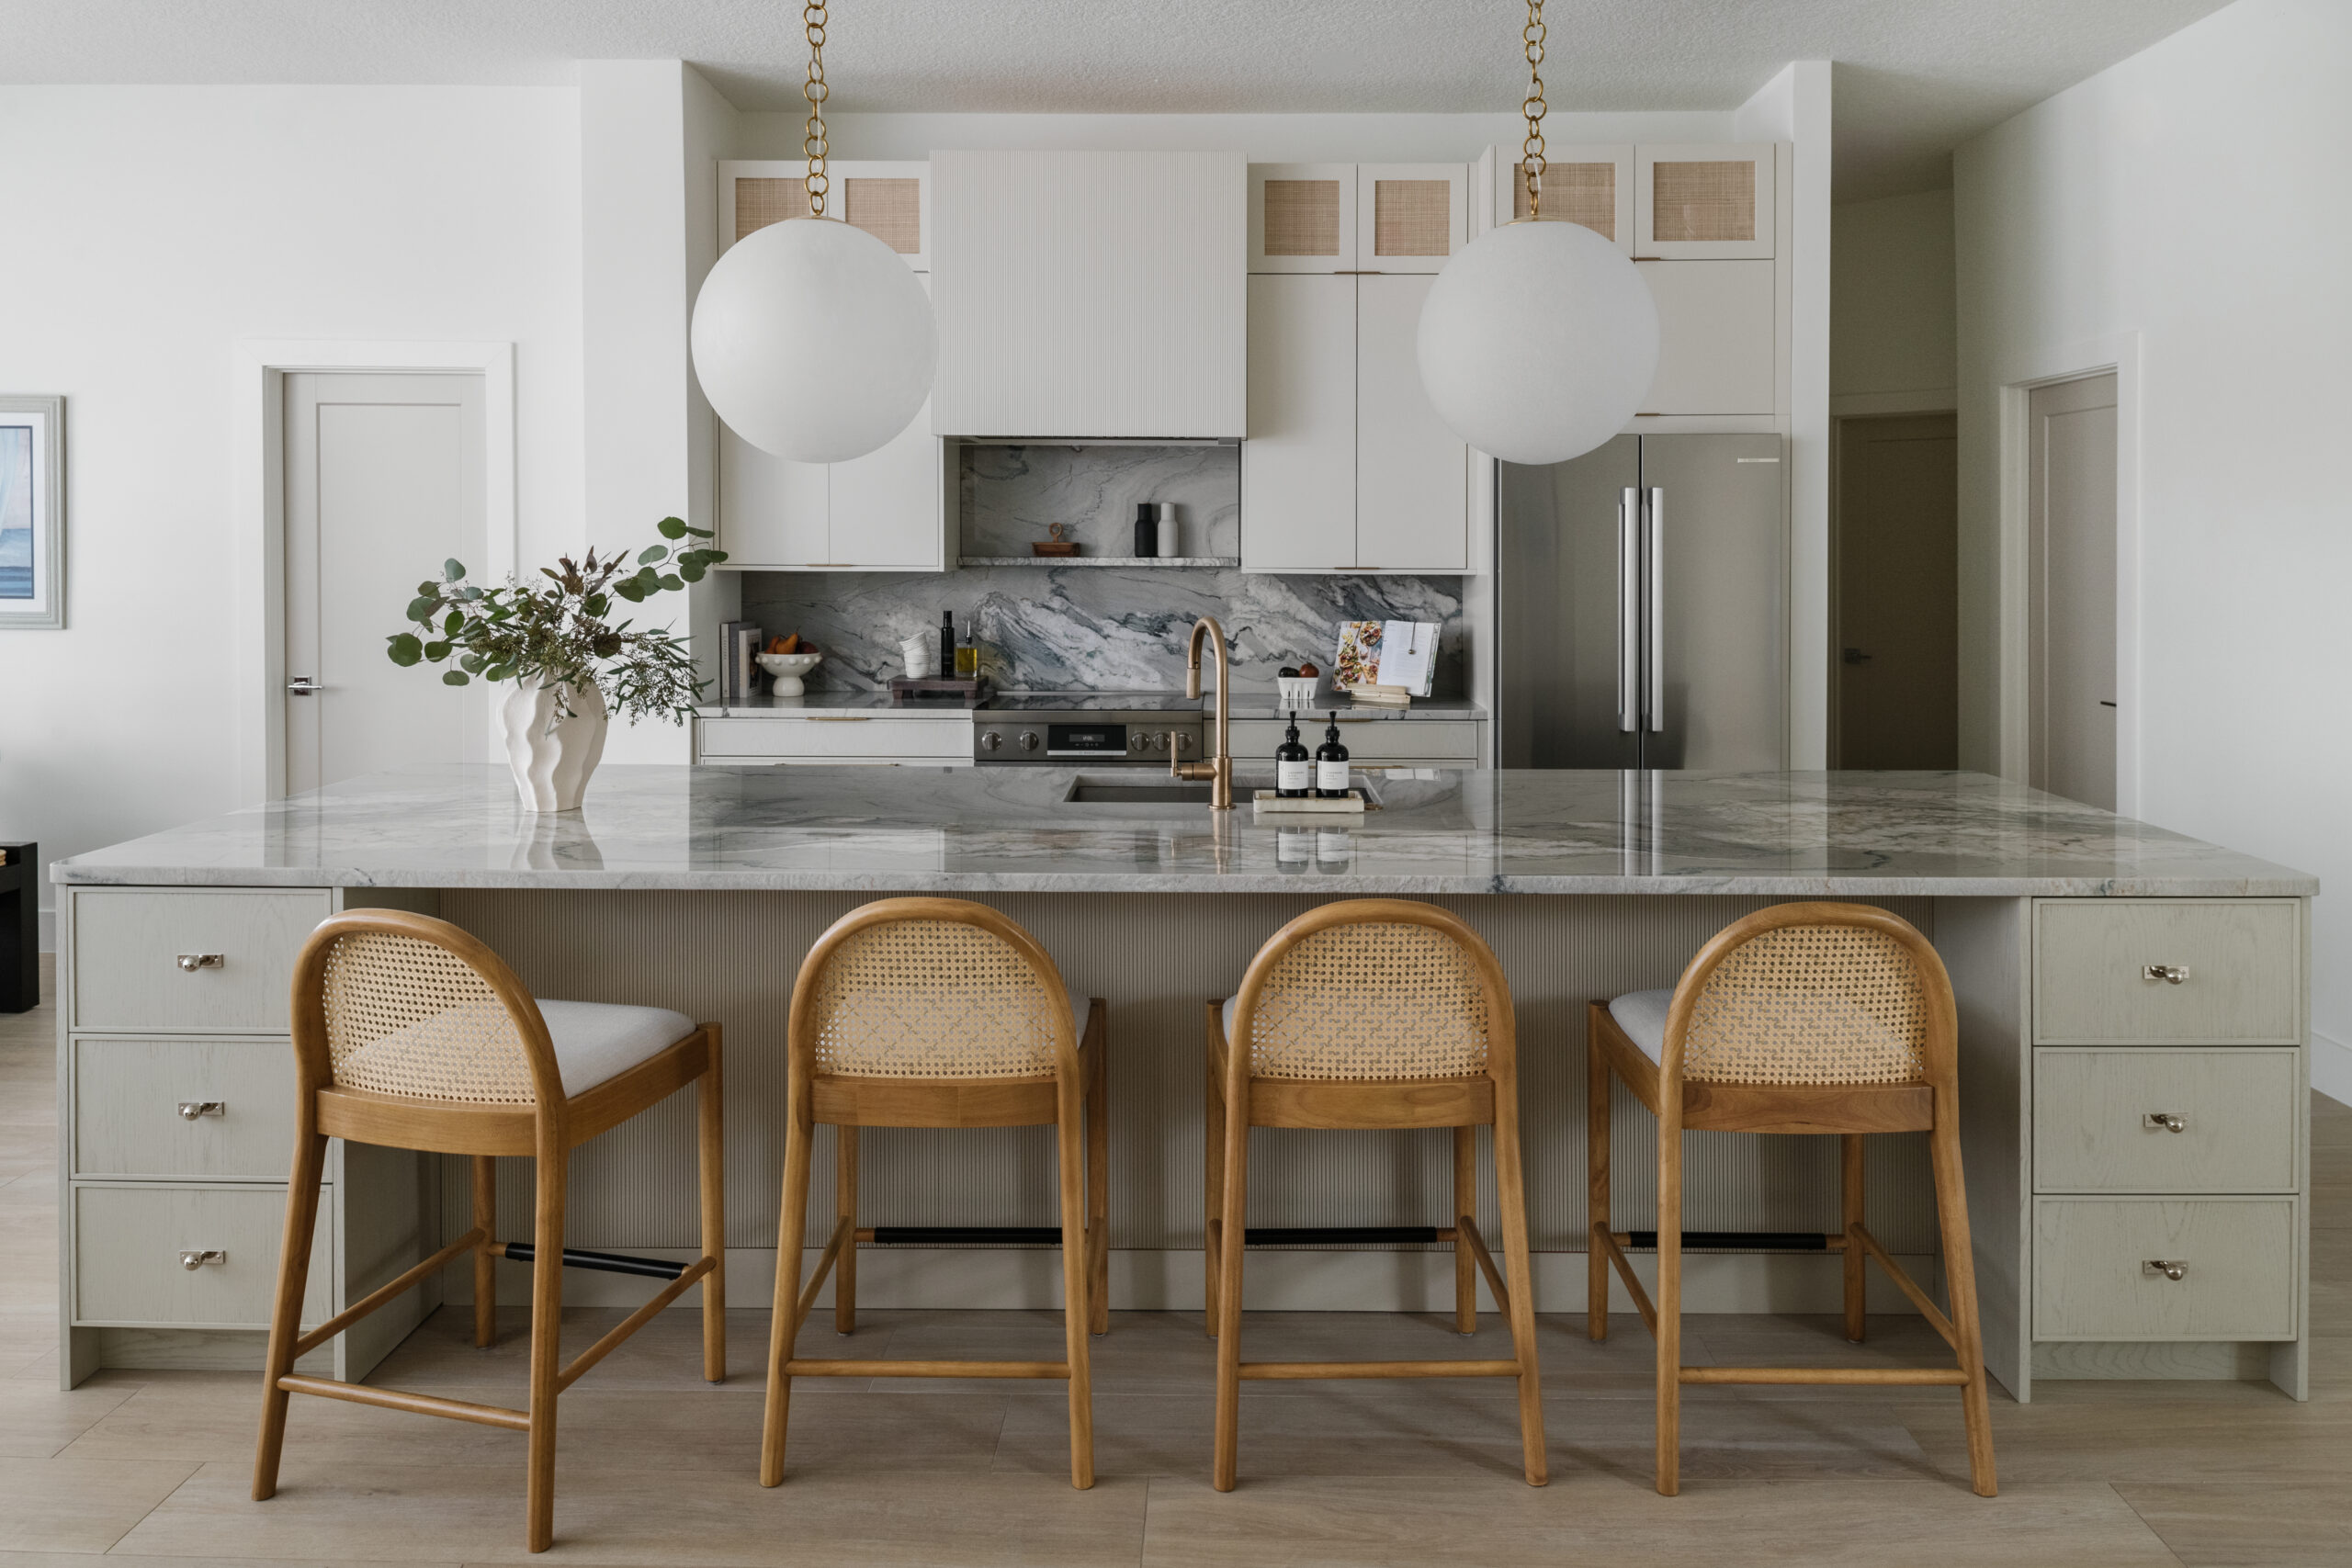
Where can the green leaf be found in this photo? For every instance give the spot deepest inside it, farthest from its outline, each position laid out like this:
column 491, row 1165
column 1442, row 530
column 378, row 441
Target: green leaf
column 594, row 605
column 714, row 557
column 690, row 570
column 451, row 569
column 405, row 649
column 672, row 528
column 700, row 533
column 630, row 589
column 667, row 581
column 455, row 678
column 652, row 553
column 420, row 610
column 436, row 651
column 456, row 619
column 471, row 663
column 472, row 593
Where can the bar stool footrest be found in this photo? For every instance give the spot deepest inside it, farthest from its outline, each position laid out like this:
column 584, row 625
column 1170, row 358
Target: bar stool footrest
column 602, row 1262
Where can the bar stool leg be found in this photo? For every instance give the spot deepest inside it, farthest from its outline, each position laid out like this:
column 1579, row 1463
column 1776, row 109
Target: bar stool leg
column 1098, row 1172
column 1212, row 1189
column 286, row 1315
column 1959, row 1274
column 1510, row 1193
column 710, row 1158
column 1596, row 1144
column 1231, row 1232
column 1849, row 1158
column 845, row 1208
column 547, row 1342
column 1466, row 1204
column 1669, row 1306
column 485, row 1196
column 1076, row 1322
column 784, row 1325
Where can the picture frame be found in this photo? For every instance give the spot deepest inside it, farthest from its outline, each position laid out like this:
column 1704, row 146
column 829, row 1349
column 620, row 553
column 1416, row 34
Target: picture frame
column 32, row 512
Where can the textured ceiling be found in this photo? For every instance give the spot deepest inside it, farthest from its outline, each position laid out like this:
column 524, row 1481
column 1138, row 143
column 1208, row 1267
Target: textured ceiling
column 1914, row 77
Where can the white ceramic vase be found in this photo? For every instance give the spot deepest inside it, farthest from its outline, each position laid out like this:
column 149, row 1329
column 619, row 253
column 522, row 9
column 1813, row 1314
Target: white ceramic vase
column 553, row 756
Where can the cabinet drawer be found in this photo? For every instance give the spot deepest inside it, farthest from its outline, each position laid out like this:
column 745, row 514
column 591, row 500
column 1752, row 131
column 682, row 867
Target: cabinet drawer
column 2236, row 1110
column 128, row 945
column 1370, row 742
column 128, row 1096
column 2091, row 1279
column 851, row 735
column 2242, row 958
column 128, row 1242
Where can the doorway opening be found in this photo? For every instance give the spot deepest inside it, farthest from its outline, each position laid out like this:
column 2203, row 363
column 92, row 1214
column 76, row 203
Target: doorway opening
column 1894, row 669
column 2071, row 690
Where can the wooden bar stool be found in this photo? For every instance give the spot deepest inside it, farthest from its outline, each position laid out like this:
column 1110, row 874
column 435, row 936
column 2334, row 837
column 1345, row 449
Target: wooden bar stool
column 1371, row 1013
column 937, row 1012
column 1802, row 1017
column 409, row 1034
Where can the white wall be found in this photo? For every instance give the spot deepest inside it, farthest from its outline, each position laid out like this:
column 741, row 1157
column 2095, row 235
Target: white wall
column 1893, row 337
column 2185, row 212
column 149, row 229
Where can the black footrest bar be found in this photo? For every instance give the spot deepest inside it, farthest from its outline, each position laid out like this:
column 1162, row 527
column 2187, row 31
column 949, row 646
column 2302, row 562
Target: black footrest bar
column 966, row 1236
column 1336, row 1236
column 603, row 1262
column 1046, row 1235
column 1736, row 1241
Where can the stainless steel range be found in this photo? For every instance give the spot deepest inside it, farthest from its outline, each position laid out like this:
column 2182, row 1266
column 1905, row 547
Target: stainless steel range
column 1106, row 729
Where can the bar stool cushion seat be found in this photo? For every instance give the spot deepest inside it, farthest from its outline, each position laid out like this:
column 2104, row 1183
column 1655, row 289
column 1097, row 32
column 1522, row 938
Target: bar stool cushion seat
column 1642, row 1015
column 595, row 1040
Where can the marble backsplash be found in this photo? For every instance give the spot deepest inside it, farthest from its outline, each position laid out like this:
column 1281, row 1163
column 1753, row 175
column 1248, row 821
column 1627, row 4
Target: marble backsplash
column 1094, row 629
column 1008, row 495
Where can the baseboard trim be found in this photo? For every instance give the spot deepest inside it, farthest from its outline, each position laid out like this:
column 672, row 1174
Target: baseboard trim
column 1280, row 1281
column 2332, row 1067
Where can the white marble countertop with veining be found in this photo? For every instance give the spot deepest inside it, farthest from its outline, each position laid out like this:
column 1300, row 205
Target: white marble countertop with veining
column 1246, row 705
column 1011, row 829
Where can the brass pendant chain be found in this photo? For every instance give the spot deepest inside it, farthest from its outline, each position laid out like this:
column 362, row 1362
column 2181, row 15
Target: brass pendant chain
column 813, row 145
column 1531, row 150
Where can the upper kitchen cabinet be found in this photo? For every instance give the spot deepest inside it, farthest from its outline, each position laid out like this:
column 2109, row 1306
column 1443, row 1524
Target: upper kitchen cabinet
column 1704, row 203
column 1090, row 295
column 891, row 201
column 1339, row 218
column 1302, row 218
column 1592, row 185
column 1716, row 337
column 888, row 511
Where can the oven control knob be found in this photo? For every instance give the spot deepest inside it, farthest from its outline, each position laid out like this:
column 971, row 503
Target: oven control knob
column 1160, row 741
column 1183, row 741
column 1028, row 741
column 1138, row 742
column 990, row 740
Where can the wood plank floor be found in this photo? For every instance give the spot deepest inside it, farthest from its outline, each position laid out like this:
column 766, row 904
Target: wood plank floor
column 657, row 1467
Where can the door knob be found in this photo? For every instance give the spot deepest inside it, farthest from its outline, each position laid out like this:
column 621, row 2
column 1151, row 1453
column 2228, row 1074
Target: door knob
column 1856, row 656
column 304, row 686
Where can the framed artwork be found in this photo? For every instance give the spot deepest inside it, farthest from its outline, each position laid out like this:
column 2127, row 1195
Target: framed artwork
column 32, row 512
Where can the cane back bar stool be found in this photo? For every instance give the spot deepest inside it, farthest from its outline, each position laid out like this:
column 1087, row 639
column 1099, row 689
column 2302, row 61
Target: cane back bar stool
column 411, row 1033
column 1370, row 1013
column 1802, row 1017
column 938, row 1012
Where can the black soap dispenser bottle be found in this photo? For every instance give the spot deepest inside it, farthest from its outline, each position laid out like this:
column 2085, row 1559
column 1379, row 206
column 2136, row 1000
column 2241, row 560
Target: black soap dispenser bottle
column 1331, row 764
column 1294, row 769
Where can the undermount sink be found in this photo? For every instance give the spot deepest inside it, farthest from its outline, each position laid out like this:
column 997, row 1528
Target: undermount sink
column 1093, row 792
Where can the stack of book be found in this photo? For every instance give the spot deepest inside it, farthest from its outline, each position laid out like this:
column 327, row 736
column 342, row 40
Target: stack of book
column 738, row 641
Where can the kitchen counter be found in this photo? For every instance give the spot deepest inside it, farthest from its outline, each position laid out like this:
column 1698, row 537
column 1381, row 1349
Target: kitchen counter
column 1010, row 830
column 1246, row 705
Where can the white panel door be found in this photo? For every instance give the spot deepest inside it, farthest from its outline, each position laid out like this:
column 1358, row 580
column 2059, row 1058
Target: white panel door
column 772, row 511
column 1715, row 336
column 383, row 484
column 2071, row 596
column 1298, row 467
column 1412, row 473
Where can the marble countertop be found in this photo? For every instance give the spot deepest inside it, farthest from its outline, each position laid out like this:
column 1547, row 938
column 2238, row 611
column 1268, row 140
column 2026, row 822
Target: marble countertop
column 1246, row 705
column 1011, row 829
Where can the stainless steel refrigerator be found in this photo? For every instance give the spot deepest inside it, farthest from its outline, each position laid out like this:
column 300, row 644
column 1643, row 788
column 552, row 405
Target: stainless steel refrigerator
column 1642, row 606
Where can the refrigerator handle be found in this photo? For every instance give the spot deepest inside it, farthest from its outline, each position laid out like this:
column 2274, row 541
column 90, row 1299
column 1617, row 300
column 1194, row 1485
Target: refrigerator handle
column 1656, row 562
column 1629, row 610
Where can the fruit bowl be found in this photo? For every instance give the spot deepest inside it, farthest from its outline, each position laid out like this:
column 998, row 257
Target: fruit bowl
column 788, row 668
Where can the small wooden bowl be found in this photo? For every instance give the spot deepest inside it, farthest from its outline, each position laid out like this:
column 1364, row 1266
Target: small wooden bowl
column 1056, row 545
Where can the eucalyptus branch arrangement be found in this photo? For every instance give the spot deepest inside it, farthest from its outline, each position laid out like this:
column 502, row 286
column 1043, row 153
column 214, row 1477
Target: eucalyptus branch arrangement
column 557, row 633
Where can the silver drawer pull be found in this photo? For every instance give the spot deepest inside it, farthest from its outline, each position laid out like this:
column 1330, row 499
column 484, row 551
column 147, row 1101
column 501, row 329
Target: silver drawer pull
column 2166, row 1120
column 192, row 1108
column 190, row 963
column 192, row 1261
column 2176, row 973
column 2171, row 1268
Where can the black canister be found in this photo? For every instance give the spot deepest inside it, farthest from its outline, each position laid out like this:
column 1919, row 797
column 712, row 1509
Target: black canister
column 1146, row 528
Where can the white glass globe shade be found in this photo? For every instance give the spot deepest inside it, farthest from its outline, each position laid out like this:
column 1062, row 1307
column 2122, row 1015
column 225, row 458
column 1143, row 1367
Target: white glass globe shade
column 814, row 341
column 1538, row 341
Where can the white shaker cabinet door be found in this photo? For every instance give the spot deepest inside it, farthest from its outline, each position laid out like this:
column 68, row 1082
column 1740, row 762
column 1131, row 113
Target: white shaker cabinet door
column 886, row 507
column 772, row 511
column 1412, row 472
column 1298, row 467
column 1716, row 343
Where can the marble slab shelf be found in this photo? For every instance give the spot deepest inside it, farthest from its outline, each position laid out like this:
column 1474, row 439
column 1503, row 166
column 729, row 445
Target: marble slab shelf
column 1211, row 561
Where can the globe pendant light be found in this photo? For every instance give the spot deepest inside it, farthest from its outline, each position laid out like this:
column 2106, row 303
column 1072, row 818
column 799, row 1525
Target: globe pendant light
column 812, row 339
column 1539, row 339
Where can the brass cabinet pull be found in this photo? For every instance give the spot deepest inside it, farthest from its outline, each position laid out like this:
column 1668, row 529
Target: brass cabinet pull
column 2170, row 1268
column 196, row 1258
column 2177, row 974
column 190, row 963
column 2166, row 1120
column 192, row 1108
column 835, row 717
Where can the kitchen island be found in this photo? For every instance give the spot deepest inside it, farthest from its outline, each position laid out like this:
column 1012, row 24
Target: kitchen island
column 700, row 888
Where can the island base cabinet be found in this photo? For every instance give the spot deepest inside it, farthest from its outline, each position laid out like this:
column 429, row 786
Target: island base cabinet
column 2101, row 1268
column 140, row 1259
column 2166, row 1121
